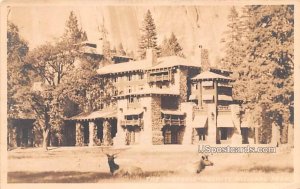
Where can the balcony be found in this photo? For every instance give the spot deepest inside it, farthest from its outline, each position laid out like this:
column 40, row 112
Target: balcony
column 156, row 78
column 178, row 122
column 134, row 122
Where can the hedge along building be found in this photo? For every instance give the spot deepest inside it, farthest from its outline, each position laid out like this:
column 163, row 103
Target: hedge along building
column 163, row 101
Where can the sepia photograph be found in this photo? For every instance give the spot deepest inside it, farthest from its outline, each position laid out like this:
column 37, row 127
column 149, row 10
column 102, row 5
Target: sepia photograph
column 148, row 93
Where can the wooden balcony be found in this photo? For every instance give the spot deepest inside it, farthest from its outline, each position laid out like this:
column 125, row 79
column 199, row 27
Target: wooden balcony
column 135, row 122
column 156, row 78
column 177, row 122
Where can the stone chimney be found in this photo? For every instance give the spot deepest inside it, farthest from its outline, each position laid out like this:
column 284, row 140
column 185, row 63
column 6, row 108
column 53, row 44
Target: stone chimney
column 198, row 55
column 151, row 57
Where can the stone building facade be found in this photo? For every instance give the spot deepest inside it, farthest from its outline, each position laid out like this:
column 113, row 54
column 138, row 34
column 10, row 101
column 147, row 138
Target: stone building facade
column 165, row 100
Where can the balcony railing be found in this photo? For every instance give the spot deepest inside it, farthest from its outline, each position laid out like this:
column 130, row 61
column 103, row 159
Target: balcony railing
column 178, row 122
column 159, row 78
column 135, row 122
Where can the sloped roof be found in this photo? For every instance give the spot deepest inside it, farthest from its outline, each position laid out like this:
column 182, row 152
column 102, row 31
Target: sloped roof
column 163, row 62
column 123, row 67
column 106, row 113
column 151, row 91
column 171, row 61
column 210, row 75
column 172, row 112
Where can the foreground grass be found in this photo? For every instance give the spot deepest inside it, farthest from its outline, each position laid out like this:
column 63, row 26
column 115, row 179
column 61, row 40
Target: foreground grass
column 89, row 165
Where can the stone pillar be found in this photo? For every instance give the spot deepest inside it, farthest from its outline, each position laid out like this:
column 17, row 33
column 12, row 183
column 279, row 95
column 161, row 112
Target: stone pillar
column 107, row 140
column 79, row 134
column 212, row 135
column 92, row 126
column 188, row 107
column 183, row 88
column 96, row 141
column 157, row 134
column 12, row 134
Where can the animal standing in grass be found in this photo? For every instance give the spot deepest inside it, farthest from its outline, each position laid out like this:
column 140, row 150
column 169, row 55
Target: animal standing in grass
column 203, row 163
column 196, row 167
column 121, row 170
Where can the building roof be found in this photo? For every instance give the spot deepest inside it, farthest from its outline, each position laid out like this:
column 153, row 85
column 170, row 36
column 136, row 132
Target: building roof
column 207, row 75
column 150, row 91
column 133, row 111
column 172, row 112
column 163, row 62
column 106, row 113
column 123, row 67
column 171, row 61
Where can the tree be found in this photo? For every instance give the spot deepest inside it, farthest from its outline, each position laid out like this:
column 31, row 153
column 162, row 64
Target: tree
column 52, row 62
column 148, row 36
column 171, row 47
column 18, row 75
column 73, row 34
column 264, row 72
column 232, row 41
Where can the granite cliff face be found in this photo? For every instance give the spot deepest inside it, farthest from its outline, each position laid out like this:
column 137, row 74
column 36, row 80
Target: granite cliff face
column 192, row 25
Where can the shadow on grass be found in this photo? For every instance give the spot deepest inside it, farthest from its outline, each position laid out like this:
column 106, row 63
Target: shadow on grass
column 77, row 177
column 263, row 169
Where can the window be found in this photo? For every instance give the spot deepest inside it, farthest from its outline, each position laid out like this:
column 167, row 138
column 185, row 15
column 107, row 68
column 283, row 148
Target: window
column 224, row 133
column 201, row 133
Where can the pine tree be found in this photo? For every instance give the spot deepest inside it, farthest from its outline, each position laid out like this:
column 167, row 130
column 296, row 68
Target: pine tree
column 73, row 34
column 265, row 76
column 171, row 47
column 232, row 42
column 148, row 37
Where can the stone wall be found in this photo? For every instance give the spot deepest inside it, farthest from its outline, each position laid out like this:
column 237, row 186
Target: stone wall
column 79, row 134
column 183, row 88
column 157, row 135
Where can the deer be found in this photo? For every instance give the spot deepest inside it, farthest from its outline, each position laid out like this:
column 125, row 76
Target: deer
column 121, row 170
column 197, row 166
column 203, row 163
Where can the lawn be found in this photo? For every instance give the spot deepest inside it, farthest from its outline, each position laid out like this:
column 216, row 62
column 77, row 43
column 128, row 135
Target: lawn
column 159, row 164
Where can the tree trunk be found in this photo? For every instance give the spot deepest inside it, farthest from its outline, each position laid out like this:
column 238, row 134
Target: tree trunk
column 284, row 128
column 45, row 139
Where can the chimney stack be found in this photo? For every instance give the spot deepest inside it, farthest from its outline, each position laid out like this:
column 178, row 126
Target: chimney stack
column 151, row 57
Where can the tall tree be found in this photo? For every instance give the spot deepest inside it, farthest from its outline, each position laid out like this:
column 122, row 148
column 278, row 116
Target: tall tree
column 73, row 34
column 52, row 62
column 232, row 41
column 18, row 76
column 264, row 77
column 148, row 36
column 171, row 47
